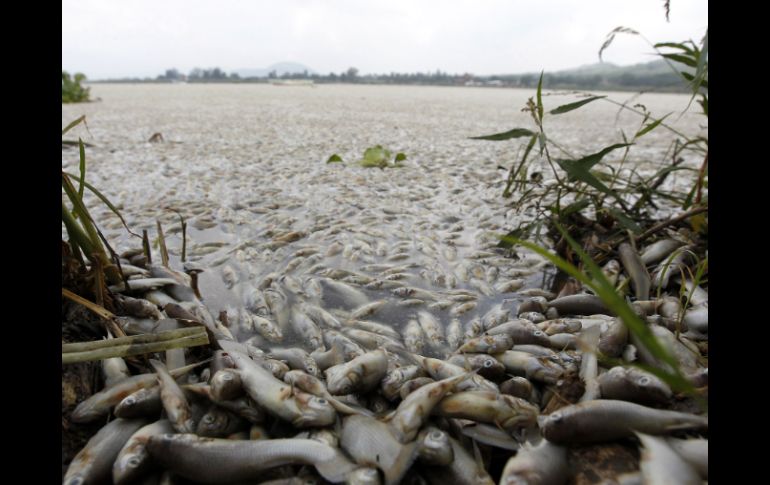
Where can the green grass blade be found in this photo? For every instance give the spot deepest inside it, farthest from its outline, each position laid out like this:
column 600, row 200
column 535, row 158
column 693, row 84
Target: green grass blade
column 82, row 186
column 107, row 202
column 650, row 126
column 540, row 97
column 514, row 133
column 572, row 106
column 73, row 124
column 82, row 212
column 334, row 158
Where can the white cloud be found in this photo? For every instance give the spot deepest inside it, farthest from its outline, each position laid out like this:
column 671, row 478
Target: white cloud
column 114, row 38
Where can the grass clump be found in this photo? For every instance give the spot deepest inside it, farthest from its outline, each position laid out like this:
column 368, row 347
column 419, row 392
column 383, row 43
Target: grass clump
column 71, row 89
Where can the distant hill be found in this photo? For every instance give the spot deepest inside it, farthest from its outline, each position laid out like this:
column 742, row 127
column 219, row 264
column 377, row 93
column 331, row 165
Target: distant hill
column 280, row 69
column 656, row 75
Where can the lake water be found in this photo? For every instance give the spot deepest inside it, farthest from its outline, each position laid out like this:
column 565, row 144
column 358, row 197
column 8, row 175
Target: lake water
column 245, row 165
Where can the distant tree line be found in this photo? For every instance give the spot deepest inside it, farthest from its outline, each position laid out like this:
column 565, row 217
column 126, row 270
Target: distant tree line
column 623, row 80
column 71, row 89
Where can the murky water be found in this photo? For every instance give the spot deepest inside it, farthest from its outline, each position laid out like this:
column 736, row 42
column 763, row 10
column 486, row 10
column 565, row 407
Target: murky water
column 245, row 165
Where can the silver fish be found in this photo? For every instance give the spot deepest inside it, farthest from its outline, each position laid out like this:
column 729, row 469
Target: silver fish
column 545, row 464
column 661, row 465
column 607, row 420
column 192, row 457
column 93, row 464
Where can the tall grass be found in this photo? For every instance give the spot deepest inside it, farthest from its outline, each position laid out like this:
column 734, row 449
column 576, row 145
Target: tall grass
column 71, row 89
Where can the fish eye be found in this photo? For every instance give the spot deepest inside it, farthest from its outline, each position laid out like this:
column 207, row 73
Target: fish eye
column 77, row 480
column 488, row 363
column 555, row 417
column 643, row 381
column 321, row 400
column 134, row 462
column 226, row 376
column 311, row 369
column 538, row 333
column 208, row 419
column 436, row 435
column 129, row 401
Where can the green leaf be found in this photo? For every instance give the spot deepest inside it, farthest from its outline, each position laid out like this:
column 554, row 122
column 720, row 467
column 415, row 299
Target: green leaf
column 590, row 160
column 580, row 173
column 377, row 154
column 650, row 127
column 569, row 107
column 73, row 124
column 514, row 133
column 686, row 60
column 540, row 97
column 82, row 169
column 702, row 83
column 334, row 158
column 107, row 203
column 400, row 157
column 700, row 69
column 675, row 45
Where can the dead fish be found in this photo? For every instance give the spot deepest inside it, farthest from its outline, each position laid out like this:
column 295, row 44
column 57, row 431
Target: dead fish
column 413, row 292
column 661, row 465
column 219, row 423
column 320, row 316
column 434, row 447
column 314, row 386
column 375, row 327
column 297, row 359
column 432, row 329
column 143, row 284
column 226, row 384
column 142, row 403
column 608, row 420
column 266, row 328
column 503, row 410
column 582, row 304
column 530, row 366
column 391, row 384
column 659, row 250
column 544, row 464
column 301, row 409
column 307, row 329
column 414, row 338
column 192, row 457
column 132, row 462
column 371, row 443
column 634, row 266
column 631, row 384
column 464, row 469
column 560, row 325
column 139, row 307
column 486, row 365
column 463, row 308
column 521, row 331
column 359, row 375
column 494, row 317
column 99, row 405
column 674, row 264
column 93, row 464
column 488, row 344
column 694, row 451
column 454, row 334
column 174, row 401
column 517, row 386
column 415, row 409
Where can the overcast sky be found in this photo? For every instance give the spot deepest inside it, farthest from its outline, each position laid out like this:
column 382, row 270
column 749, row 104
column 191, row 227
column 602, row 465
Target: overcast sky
column 139, row 38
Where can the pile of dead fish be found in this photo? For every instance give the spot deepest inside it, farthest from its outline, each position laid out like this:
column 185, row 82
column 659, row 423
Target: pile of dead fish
column 303, row 385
